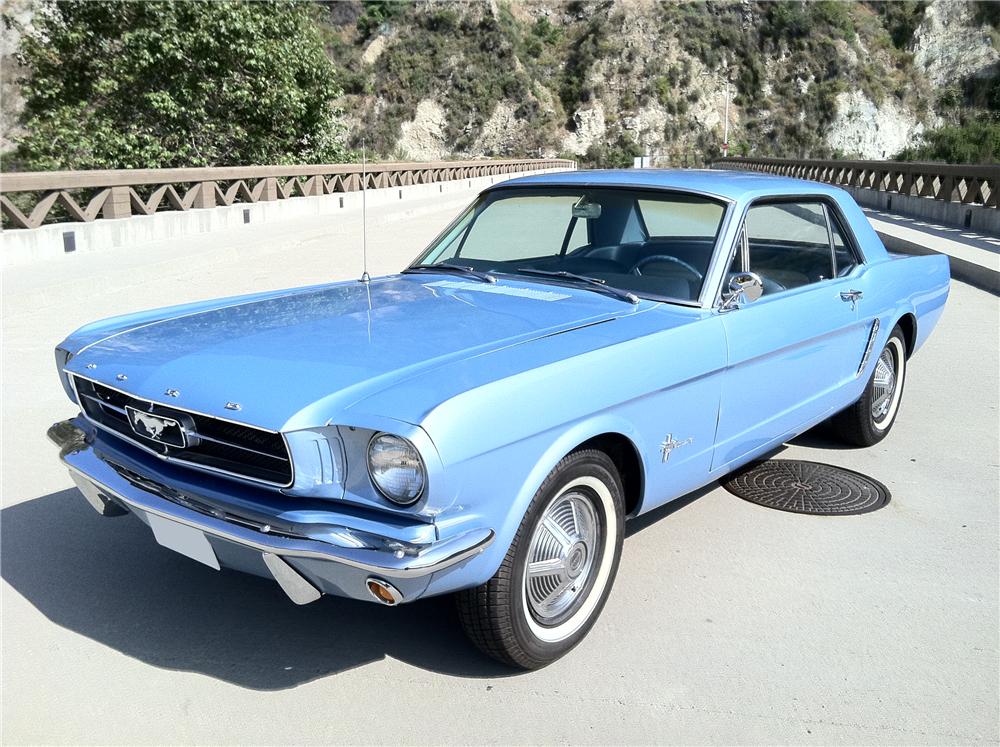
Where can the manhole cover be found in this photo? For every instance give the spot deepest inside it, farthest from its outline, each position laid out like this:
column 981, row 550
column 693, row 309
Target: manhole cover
column 807, row 488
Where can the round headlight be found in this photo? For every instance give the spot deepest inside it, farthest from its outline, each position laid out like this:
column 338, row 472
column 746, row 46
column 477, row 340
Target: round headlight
column 396, row 468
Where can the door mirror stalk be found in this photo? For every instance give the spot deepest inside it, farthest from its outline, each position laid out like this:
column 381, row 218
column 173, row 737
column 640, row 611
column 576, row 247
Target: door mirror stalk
column 744, row 288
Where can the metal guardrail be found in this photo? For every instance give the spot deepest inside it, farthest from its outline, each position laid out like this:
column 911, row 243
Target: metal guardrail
column 965, row 184
column 88, row 195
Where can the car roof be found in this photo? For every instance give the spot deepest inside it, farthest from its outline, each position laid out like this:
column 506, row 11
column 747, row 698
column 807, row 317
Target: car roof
column 731, row 185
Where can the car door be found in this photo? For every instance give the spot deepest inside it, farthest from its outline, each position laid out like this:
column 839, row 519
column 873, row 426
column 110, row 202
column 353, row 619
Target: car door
column 793, row 350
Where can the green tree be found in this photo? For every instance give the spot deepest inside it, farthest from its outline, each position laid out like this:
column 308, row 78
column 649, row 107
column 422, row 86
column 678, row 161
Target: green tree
column 155, row 84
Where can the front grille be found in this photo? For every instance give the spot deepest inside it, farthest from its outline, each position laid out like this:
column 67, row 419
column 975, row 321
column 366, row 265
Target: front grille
column 221, row 446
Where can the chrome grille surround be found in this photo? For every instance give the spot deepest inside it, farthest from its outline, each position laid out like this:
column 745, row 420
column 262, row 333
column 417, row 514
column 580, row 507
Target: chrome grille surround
column 220, row 446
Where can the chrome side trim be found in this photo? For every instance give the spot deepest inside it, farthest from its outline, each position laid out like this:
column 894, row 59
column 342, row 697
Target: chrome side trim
column 868, row 348
column 175, row 460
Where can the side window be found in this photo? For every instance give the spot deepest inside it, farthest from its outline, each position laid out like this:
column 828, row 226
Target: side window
column 846, row 261
column 789, row 244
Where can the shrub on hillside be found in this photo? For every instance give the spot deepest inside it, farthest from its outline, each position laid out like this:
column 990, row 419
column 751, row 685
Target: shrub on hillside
column 972, row 142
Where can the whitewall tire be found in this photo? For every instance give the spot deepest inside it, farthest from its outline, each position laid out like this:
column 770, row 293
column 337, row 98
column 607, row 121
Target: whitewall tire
column 558, row 572
column 870, row 419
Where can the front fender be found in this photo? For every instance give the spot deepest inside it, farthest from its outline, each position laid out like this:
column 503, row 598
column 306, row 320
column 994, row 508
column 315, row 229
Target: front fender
column 568, row 441
column 496, row 479
column 499, row 441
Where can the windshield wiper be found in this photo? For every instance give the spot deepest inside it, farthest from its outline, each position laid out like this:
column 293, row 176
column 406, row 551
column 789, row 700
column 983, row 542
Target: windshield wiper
column 595, row 284
column 468, row 272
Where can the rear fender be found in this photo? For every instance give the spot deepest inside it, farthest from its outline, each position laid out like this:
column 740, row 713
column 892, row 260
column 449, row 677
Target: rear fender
column 916, row 285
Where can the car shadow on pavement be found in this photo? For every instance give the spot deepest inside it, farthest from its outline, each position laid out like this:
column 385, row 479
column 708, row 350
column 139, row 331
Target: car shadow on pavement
column 822, row 436
column 108, row 580
column 636, row 525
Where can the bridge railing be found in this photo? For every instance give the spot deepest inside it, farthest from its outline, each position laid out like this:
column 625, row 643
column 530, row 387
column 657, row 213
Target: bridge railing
column 964, row 184
column 31, row 199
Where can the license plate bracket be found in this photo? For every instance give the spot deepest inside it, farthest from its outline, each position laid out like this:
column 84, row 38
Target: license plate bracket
column 183, row 539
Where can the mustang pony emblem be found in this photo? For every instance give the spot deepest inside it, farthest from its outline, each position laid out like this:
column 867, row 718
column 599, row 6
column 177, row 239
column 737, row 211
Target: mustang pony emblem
column 669, row 444
column 156, row 427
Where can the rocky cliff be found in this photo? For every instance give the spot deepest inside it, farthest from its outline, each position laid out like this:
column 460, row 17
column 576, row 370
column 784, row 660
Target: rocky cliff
column 602, row 81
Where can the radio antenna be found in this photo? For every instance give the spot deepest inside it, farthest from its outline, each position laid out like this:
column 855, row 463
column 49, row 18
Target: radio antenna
column 365, row 277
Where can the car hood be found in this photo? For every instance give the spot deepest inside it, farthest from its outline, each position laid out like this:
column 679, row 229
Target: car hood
column 295, row 359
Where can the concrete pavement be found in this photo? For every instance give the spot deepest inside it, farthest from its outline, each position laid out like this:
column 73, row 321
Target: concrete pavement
column 974, row 256
column 728, row 622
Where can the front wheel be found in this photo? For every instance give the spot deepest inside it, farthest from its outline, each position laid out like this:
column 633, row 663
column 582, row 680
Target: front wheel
column 870, row 419
column 558, row 572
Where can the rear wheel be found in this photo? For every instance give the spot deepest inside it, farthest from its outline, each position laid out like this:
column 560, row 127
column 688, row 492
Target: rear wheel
column 870, row 419
column 558, row 572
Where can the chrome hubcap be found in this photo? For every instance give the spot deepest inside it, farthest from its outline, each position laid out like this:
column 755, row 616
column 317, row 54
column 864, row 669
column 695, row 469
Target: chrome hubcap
column 561, row 556
column 884, row 384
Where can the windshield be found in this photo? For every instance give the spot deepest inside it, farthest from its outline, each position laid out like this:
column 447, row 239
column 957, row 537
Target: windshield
column 650, row 243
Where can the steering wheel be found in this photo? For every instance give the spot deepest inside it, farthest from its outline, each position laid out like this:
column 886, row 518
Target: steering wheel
column 637, row 270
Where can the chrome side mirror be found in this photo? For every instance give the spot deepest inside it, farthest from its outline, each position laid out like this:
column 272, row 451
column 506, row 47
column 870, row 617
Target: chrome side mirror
column 744, row 288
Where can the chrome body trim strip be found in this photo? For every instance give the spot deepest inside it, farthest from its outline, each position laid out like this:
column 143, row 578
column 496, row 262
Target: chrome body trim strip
column 868, row 348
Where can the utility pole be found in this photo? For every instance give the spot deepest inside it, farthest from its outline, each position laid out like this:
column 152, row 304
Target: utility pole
column 725, row 135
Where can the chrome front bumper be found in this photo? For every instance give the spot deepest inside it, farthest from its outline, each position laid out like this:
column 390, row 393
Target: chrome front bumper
column 343, row 563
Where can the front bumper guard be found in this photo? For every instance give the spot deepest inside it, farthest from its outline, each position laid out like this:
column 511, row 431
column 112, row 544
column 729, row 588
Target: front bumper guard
column 108, row 491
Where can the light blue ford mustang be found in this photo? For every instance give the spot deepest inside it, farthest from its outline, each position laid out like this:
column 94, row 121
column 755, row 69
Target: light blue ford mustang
column 575, row 349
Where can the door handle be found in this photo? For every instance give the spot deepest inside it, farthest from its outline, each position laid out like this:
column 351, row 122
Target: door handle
column 851, row 295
